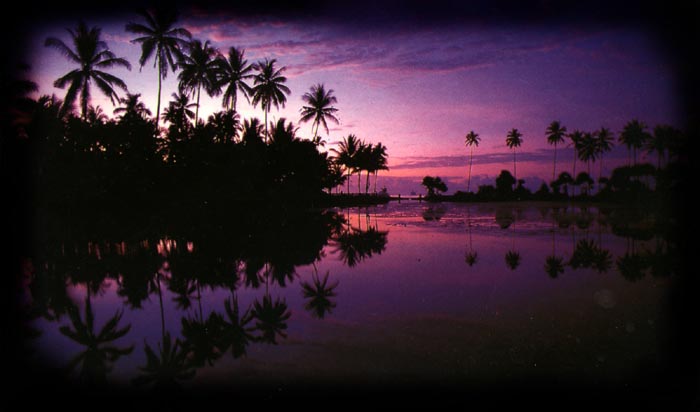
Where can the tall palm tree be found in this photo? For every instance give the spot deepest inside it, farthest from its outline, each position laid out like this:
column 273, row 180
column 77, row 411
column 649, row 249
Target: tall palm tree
column 472, row 139
column 513, row 141
column 132, row 107
column 555, row 135
column 634, row 135
column 346, row 154
column 379, row 161
column 158, row 35
column 98, row 356
column 269, row 87
column 199, row 69
column 92, row 55
column 604, row 144
column 588, row 150
column 576, row 138
column 234, row 71
column 320, row 109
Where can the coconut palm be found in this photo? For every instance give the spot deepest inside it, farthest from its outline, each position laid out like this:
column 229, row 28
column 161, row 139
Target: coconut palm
column 513, row 141
column 95, row 116
column 283, row 133
column 660, row 141
column 319, row 108
column 98, row 356
column 179, row 112
column 132, row 108
column 225, row 124
column 252, row 130
column 604, row 144
column 92, row 55
column 158, row 35
column 199, row 69
column 588, row 150
column 634, row 136
column 269, row 87
column 346, row 154
column 319, row 294
column 555, row 135
column 472, row 139
column 379, row 161
column 234, row 71
column 576, row 138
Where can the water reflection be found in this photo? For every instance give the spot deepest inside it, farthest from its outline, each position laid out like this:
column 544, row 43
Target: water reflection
column 171, row 304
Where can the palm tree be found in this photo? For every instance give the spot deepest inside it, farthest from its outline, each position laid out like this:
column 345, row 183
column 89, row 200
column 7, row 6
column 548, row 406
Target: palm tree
column 513, row 141
column 158, row 35
column 251, row 132
column 282, row 133
column 132, row 108
column 95, row 116
column 199, row 69
column 179, row 112
column 379, row 161
column 269, row 87
column 225, row 124
column 346, row 154
column 166, row 368
column 270, row 318
column 319, row 295
column 634, row 135
column 660, row 141
column 92, row 55
column 576, row 138
column 471, row 140
column 319, row 108
column 604, row 144
column 555, row 135
column 98, row 355
column 234, row 70
column 236, row 331
column 588, row 150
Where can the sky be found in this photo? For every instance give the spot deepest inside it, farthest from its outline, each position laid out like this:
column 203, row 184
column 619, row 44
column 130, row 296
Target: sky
column 419, row 86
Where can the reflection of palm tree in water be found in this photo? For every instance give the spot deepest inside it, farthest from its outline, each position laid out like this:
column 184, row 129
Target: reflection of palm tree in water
column 470, row 257
column 512, row 256
column 554, row 265
column 270, row 316
column 631, row 265
column 355, row 244
column 98, row 356
column 319, row 294
column 169, row 366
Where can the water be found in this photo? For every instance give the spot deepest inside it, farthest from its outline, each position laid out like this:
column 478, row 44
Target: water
column 403, row 292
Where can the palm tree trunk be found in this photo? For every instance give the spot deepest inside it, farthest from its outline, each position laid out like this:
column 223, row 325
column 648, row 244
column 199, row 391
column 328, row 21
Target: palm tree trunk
column 359, row 180
column 554, row 171
column 471, row 157
column 160, row 66
column 367, row 183
column 266, row 133
column 376, row 172
column 162, row 314
column 196, row 112
column 515, row 170
column 573, row 187
column 349, row 176
column 600, row 172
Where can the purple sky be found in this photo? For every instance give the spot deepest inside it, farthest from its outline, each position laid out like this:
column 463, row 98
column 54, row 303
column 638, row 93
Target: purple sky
column 419, row 89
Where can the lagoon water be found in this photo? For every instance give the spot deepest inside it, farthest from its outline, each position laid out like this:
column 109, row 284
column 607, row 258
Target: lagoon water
column 404, row 292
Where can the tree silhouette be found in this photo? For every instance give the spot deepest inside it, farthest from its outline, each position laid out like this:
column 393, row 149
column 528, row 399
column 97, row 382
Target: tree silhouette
column 513, row 141
column 661, row 141
column 555, row 135
column 92, row 55
column 270, row 318
column 200, row 339
column 132, row 108
column 603, row 143
column 160, row 37
column 234, row 71
column 225, row 125
column 98, row 356
column 512, row 259
column 167, row 368
column 576, row 138
column 634, row 136
column 378, row 161
column 319, row 108
column 472, row 139
column 269, row 88
column 318, row 295
column 236, row 332
column 434, row 184
column 346, row 154
column 199, row 68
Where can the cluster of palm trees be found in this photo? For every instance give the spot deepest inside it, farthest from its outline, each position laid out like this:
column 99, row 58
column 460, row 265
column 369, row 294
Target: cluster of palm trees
column 590, row 147
column 356, row 156
column 200, row 66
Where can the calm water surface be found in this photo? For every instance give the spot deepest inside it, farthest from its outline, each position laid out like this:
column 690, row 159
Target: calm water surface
column 401, row 292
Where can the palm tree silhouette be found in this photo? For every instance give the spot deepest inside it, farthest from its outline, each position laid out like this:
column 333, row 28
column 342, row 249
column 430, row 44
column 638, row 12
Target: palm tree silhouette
column 158, row 35
column 132, row 108
column 554, row 265
column 320, row 109
column 378, row 161
column 588, row 150
column 634, row 136
column 604, row 144
column 271, row 318
column 179, row 112
column 234, row 71
column 319, row 294
column 200, row 339
column 471, row 140
column 512, row 259
column 225, row 125
column 555, row 135
column 92, row 55
column 470, row 256
column 98, row 356
column 236, row 332
column 252, row 132
column 269, row 88
column 346, row 154
column 660, row 141
column 199, row 68
column 165, row 369
column 576, row 138
column 513, row 141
